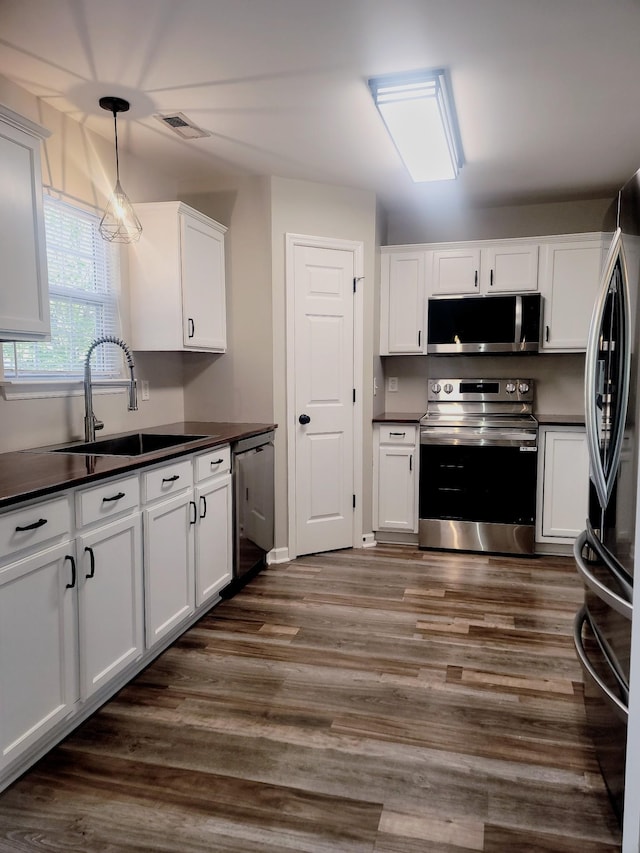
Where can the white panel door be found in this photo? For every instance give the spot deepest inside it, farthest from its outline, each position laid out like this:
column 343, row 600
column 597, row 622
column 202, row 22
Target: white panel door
column 38, row 647
column 203, row 285
column 213, row 540
column 323, row 351
column 509, row 267
column 565, row 483
column 403, row 277
column 111, row 606
column 456, row 271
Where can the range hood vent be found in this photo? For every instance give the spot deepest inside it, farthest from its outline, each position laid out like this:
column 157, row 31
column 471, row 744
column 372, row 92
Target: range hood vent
column 180, row 124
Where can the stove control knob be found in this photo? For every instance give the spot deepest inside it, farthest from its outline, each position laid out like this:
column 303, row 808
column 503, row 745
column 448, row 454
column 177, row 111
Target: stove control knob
column 448, row 388
column 510, row 387
column 436, row 388
column 523, row 387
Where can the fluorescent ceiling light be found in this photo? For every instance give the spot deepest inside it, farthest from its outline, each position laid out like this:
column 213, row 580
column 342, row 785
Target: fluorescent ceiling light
column 418, row 111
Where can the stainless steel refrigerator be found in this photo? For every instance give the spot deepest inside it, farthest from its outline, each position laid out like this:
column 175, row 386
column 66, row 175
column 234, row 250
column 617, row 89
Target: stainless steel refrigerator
column 604, row 552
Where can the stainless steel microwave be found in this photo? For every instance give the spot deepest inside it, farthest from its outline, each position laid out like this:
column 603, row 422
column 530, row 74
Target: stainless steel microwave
column 484, row 324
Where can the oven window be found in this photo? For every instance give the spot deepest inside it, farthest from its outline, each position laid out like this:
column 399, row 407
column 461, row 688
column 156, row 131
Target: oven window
column 475, row 483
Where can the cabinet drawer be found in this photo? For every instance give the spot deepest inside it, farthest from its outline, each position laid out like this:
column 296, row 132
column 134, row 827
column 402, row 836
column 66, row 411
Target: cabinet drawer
column 107, row 500
column 32, row 526
column 167, row 480
column 216, row 461
column 398, row 434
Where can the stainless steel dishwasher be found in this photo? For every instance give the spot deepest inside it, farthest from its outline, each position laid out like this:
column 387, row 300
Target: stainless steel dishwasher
column 252, row 462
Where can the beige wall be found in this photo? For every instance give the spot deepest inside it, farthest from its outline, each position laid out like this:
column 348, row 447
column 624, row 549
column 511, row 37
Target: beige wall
column 302, row 207
column 558, row 378
column 238, row 386
column 443, row 220
column 79, row 166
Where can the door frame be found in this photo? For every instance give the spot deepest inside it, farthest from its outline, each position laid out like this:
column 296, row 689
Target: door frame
column 292, row 241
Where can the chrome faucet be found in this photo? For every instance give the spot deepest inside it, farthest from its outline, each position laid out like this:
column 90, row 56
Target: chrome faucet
column 91, row 423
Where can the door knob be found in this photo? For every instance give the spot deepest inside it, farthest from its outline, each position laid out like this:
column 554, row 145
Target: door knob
column 304, row 419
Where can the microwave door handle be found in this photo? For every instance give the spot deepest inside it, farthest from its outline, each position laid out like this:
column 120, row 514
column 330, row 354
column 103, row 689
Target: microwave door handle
column 518, row 319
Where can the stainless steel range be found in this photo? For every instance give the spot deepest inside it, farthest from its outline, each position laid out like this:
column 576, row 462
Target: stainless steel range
column 478, row 466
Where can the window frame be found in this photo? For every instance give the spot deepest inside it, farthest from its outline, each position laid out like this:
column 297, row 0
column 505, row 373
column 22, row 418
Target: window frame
column 21, row 386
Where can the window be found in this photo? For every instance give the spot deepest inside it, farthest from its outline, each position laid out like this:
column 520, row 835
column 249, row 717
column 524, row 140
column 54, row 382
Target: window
column 83, row 274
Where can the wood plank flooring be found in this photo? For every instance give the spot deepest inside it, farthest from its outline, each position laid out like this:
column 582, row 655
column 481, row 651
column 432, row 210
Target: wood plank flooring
column 369, row 701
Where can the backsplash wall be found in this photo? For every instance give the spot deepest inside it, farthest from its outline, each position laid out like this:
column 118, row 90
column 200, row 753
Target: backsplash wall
column 558, row 378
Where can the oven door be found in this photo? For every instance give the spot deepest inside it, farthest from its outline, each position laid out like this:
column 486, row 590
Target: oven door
column 478, row 496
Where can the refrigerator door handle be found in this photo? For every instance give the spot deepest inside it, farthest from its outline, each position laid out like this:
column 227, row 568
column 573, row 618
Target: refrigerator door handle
column 619, row 604
column 620, row 708
column 604, row 480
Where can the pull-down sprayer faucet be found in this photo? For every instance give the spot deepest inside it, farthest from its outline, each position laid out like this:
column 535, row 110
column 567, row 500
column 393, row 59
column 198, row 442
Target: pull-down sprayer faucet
column 91, row 423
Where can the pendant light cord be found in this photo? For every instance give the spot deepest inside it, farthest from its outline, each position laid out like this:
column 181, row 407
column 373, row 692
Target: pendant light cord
column 115, row 131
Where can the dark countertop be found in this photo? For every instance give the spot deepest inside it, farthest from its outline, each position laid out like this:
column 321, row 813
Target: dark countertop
column 27, row 474
column 560, row 420
column 398, row 418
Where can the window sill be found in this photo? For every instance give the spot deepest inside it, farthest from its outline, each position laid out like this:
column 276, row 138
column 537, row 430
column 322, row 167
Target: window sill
column 25, row 389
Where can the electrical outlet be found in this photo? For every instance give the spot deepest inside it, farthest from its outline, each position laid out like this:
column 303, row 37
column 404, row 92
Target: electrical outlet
column 392, row 383
column 145, row 389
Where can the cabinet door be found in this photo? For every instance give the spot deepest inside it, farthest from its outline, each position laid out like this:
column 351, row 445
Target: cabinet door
column 397, row 483
column 168, row 565
column 509, row 268
column 111, row 613
column 456, row 271
column 569, row 281
column 213, row 539
column 203, row 285
column 402, row 306
column 564, row 499
column 24, row 298
column 38, row 647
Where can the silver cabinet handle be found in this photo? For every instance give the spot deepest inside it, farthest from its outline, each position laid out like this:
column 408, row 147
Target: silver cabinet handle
column 620, row 708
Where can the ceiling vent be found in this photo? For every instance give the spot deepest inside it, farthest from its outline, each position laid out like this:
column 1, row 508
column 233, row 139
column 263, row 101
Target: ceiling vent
column 180, row 124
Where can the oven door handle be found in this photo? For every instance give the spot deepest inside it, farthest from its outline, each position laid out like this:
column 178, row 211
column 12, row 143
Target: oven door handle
column 457, row 435
column 620, row 708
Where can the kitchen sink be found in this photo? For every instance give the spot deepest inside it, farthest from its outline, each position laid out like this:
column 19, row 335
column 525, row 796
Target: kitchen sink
column 129, row 445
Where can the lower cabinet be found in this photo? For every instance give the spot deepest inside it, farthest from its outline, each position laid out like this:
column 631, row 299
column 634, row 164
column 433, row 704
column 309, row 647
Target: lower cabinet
column 395, row 490
column 213, row 539
column 94, row 583
column 38, row 647
column 563, row 484
column 111, row 609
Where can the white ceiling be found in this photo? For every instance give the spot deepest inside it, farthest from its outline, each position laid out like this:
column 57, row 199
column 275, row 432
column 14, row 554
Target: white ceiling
column 547, row 91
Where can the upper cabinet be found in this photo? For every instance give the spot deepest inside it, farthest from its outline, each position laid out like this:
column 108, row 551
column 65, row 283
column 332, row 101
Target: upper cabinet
column 402, row 302
column 483, row 268
column 565, row 269
column 569, row 279
column 24, row 297
column 177, row 280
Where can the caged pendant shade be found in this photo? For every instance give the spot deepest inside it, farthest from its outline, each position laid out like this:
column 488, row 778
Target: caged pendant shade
column 119, row 223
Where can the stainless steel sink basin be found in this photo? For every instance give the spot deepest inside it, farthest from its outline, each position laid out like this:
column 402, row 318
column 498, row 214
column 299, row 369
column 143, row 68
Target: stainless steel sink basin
column 129, row 445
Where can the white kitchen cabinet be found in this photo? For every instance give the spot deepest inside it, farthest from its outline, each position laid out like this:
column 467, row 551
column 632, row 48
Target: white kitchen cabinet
column 402, row 305
column 110, row 596
column 24, row 294
column 168, row 520
column 563, row 484
column 38, row 636
column 214, row 523
column 177, row 280
column 485, row 268
column 569, row 280
column 396, row 460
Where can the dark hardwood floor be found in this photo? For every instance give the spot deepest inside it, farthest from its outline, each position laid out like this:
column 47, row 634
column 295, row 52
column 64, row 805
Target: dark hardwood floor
column 380, row 701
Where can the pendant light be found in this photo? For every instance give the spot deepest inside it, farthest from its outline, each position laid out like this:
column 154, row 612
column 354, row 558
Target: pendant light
column 119, row 223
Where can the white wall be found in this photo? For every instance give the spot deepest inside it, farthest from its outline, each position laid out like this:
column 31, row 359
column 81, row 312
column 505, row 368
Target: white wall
column 79, row 166
column 302, row 207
